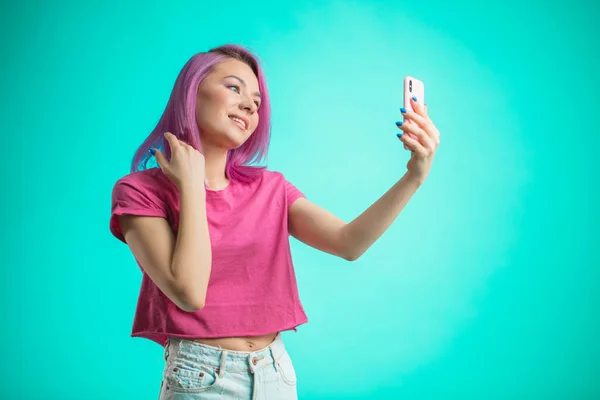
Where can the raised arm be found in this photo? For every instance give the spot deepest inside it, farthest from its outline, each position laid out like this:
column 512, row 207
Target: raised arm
column 179, row 265
column 324, row 231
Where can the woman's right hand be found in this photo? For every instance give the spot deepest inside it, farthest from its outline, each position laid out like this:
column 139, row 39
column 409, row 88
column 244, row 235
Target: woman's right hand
column 186, row 167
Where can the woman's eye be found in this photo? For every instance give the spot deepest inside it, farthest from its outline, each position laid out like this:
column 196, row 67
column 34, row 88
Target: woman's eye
column 237, row 88
column 257, row 104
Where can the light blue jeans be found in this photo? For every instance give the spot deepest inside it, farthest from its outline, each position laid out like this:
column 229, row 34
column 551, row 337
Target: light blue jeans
column 196, row 371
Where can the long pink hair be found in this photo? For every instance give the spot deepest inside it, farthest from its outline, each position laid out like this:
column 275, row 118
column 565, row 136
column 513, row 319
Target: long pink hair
column 179, row 116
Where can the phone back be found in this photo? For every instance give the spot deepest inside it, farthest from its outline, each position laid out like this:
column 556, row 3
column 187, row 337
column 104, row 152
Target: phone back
column 413, row 87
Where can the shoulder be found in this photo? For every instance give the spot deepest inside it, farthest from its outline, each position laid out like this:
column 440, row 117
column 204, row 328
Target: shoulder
column 269, row 175
column 277, row 178
column 150, row 182
column 273, row 179
column 145, row 178
column 278, row 181
column 141, row 193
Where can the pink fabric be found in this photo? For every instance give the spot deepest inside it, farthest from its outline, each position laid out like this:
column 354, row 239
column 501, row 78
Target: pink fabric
column 252, row 287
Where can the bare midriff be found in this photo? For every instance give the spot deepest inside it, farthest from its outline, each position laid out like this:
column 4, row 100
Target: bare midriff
column 240, row 343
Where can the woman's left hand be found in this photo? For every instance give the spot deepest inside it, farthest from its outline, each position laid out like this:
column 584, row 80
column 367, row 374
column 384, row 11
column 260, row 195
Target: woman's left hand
column 423, row 139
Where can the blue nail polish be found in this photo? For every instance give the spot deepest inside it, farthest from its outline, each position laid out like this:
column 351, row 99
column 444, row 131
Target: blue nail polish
column 399, row 135
column 403, row 110
column 152, row 151
column 399, row 123
column 414, row 98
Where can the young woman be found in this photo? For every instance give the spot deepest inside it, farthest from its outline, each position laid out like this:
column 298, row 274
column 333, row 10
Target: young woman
column 210, row 232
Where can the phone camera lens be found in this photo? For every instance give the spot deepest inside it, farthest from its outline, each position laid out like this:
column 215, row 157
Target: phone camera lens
column 410, row 86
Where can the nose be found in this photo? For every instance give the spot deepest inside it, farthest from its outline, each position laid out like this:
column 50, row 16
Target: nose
column 247, row 104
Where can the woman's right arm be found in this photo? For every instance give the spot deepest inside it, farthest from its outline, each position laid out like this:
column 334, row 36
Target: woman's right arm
column 179, row 265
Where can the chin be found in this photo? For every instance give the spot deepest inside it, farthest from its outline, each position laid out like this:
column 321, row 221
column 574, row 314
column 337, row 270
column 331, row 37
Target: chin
column 233, row 140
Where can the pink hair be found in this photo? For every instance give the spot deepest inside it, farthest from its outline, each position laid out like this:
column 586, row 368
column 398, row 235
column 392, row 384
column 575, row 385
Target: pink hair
column 179, row 116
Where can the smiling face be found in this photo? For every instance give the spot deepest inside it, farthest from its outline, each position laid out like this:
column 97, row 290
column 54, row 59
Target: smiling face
column 227, row 102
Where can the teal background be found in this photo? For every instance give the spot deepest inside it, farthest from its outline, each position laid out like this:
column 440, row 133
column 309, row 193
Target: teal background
column 486, row 286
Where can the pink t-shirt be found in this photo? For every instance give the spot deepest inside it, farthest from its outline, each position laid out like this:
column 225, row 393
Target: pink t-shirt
column 252, row 288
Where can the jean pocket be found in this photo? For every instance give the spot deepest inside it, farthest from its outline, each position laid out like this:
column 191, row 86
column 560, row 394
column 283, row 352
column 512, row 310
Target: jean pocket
column 286, row 369
column 182, row 378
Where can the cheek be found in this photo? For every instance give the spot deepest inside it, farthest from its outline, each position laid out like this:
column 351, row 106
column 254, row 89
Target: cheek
column 202, row 113
column 210, row 107
column 215, row 98
column 255, row 121
column 222, row 100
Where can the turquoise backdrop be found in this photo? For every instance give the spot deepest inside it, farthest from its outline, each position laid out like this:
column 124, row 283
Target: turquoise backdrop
column 485, row 287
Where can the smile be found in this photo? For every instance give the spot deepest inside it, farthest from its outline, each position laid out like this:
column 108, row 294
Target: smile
column 239, row 122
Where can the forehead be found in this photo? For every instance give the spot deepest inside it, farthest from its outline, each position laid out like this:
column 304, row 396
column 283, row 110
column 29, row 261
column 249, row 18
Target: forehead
column 237, row 68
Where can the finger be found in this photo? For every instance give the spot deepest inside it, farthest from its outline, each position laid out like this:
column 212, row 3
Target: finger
column 412, row 144
column 403, row 144
column 417, row 134
column 399, row 135
column 433, row 130
column 414, row 117
column 423, row 122
column 184, row 145
column 160, row 159
column 428, row 126
column 417, row 106
column 172, row 139
column 404, row 126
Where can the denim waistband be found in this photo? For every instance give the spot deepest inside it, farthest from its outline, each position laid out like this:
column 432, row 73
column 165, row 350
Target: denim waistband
column 194, row 353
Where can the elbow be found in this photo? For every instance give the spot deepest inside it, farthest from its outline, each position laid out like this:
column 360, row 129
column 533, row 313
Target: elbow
column 191, row 300
column 346, row 247
column 191, row 307
column 350, row 257
column 351, row 254
column 188, row 296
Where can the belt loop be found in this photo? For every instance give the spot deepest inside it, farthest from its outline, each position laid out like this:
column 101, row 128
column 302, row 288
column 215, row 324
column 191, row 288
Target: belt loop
column 166, row 353
column 275, row 362
column 222, row 366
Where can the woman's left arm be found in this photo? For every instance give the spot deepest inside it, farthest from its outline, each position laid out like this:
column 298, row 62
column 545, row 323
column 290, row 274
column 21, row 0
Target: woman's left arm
column 324, row 231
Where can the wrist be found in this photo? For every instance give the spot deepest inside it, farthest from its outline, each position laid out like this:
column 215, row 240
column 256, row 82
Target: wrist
column 192, row 190
column 413, row 178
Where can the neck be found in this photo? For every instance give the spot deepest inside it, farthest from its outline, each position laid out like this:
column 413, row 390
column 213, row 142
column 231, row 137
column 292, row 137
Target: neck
column 215, row 160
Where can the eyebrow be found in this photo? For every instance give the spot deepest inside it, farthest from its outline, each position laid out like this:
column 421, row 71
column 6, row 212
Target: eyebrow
column 243, row 83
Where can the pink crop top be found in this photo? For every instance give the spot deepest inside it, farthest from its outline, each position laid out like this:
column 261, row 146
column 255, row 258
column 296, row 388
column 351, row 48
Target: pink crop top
column 252, row 287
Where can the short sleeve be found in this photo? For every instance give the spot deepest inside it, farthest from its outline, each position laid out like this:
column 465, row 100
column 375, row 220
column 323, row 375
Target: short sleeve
column 292, row 193
column 134, row 198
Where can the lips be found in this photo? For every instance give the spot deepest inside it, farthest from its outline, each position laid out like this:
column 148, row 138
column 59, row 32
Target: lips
column 241, row 122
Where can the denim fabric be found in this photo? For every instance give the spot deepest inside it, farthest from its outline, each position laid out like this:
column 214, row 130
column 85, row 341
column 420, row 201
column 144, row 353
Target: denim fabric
column 198, row 371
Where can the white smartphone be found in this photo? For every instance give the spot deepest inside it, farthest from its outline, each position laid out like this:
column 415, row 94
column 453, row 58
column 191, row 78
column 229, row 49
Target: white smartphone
column 413, row 87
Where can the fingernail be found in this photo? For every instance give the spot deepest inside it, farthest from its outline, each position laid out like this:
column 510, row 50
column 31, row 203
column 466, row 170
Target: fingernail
column 399, row 123
column 403, row 110
column 152, row 151
column 414, row 98
column 399, row 135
